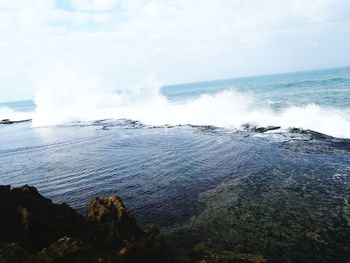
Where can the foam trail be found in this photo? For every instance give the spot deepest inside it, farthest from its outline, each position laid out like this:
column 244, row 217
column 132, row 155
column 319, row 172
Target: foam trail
column 68, row 95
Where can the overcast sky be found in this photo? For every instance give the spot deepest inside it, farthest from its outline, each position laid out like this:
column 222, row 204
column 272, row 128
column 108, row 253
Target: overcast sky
column 175, row 41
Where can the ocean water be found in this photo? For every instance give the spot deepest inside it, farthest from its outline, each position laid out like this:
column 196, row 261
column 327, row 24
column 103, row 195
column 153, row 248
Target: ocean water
column 174, row 153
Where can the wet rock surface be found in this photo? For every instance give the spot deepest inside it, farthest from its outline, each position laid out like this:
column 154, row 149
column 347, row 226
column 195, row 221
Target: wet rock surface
column 8, row 121
column 254, row 128
column 33, row 229
column 33, row 221
column 209, row 254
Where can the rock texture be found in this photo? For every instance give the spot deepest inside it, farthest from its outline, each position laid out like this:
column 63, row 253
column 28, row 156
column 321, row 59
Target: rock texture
column 33, row 229
column 33, row 221
column 207, row 254
column 8, row 121
column 285, row 216
column 254, row 128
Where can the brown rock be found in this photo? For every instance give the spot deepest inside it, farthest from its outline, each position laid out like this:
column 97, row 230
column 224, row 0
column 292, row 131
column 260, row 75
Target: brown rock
column 12, row 253
column 34, row 230
column 65, row 250
column 203, row 252
column 33, row 220
column 108, row 219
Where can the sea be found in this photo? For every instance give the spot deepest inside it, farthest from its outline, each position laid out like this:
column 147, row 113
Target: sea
column 174, row 153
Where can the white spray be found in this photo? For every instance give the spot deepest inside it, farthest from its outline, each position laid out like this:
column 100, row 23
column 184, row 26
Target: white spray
column 69, row 94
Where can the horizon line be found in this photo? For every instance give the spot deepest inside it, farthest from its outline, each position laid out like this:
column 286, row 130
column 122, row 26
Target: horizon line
column 213, row 80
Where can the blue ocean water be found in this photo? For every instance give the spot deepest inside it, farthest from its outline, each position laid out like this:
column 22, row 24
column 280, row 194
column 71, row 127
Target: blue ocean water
column 20, row 106
column 162, row 172
column 328, row 87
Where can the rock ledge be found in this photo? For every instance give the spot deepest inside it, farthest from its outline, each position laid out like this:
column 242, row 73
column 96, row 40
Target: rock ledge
column 33, row 229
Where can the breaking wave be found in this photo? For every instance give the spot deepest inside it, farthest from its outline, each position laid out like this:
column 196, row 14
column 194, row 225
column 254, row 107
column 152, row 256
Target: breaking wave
column 8, row 113
column 67, row 95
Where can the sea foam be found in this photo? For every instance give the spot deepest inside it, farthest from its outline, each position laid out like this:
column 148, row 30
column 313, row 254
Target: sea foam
column 8, row 113
column 69, row 95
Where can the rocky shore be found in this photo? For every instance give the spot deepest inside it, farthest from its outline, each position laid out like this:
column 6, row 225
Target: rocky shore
column 33, row 229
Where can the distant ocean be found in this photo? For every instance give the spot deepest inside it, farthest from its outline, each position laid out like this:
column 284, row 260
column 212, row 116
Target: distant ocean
column 172, row 152
column 317, row 100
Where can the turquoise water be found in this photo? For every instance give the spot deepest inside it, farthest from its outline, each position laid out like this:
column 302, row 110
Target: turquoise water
column 21, row 106
column 327, row 87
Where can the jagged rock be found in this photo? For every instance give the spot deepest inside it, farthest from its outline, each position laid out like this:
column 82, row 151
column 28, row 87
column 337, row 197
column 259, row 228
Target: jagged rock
column 254, row 128
column 154, row 245
column 33, row 220
column 65, row 250
column 109, row 217
column 268, row 128
column 12, row 253
column 8, row 121
column 34, row 230
column 108, row 220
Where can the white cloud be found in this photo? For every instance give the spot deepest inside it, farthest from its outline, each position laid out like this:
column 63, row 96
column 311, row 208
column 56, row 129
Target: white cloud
column 94, row 5
column 25, row 5
column 177, row 40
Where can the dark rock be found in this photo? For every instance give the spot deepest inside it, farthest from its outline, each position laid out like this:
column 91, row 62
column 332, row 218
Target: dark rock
column 33, row 220
column 111, row 225
column 109, row 217
column 5, row 121
column 33, row 229
column 268, row 128
column 154, row 246
column 65, row 250
column 202, row 252
column 12, row 253
column 247, row 126
column 254, row 128
column 8, row 121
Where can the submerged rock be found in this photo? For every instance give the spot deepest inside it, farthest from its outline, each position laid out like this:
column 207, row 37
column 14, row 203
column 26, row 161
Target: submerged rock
column 285, row 216
column 33, row 229
column 202, row 252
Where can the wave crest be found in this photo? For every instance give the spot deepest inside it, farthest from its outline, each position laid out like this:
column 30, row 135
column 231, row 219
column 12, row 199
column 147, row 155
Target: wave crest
column 68, row 95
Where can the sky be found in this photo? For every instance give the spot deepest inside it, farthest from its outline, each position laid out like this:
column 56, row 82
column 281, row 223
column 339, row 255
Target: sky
column 174, row 41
